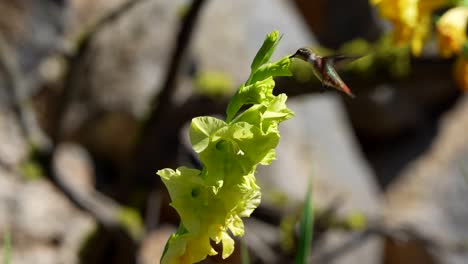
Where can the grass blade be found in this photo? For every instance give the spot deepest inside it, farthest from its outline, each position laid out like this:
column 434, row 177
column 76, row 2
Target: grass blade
column 6, row 247
column 245, row 258
column 306, row 228
column 464, row 172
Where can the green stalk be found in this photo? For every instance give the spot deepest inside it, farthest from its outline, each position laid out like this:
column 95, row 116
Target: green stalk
column 306, row 228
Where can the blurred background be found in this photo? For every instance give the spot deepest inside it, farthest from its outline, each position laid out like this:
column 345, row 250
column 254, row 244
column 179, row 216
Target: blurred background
column 96, row 96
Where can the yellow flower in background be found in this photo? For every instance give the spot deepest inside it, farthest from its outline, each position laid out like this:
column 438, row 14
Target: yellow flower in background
column 411, row 19
column 451, row 29
column 461, row 72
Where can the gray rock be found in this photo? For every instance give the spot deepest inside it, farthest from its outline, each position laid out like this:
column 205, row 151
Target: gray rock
column 128, row 59
column 120, row 74
column 37, row 215
column 33, row 30
column 13, row 146
column 85, row 13
column 9, row 187
column 40, row 254
column 153, row 245
column 317, row 143
column 73, row 164
column 230, row 34
column 430, row 195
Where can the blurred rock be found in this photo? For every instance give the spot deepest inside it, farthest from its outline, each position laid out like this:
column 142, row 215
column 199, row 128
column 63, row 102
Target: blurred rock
column 408, row 251
column 87, row 12
column 13, row 148
column 75, row 171
column 230, row 34
column 347, row 247
column 9, row 187
column 397, row 121
column 74, row 158
column 33, row 29
column 153, row 245
column 317, row 143
column 44, row 226
column 40, row 254
column 98, row 133
column 430, row 195
column 117, row 78
column 128, row 58
column 338, row 21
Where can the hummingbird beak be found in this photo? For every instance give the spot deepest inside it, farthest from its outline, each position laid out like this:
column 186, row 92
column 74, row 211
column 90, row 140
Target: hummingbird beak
column 293, row 56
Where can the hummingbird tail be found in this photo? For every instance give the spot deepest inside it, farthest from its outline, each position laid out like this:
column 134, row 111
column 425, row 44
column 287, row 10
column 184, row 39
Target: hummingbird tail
column 346, row 90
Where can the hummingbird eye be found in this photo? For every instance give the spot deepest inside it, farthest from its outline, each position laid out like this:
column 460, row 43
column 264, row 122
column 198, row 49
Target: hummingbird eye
column 303, row 51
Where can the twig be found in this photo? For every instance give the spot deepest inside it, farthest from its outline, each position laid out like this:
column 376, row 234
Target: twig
column 332, row 254
column 156, row 144
column 153, row 209
column 423, row 70
column 163, row 100
column 73, row 60
column 399, row 234
column 21, row 104
column 102, row 208
column 260, row 238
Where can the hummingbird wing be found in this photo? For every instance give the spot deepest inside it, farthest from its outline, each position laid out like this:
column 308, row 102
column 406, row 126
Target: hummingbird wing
column 332, row 79
column 339, row 61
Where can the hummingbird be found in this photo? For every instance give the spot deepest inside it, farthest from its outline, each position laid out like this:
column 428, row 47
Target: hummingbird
column 324, row 68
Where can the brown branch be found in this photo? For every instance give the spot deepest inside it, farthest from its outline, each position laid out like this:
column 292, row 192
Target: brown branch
column 102, row 208
column 422, row 70
column 159, row 133
column 20, row 102
column 73, row 61
column 427, row 69
column 399, row 234
column 163, row 101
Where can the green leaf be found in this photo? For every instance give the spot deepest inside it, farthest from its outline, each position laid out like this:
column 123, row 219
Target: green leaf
column 306, row 228
column 267, row 49
column 201, row 129
column 258, row 93
column 228, row 245
column 188, row 192
column 464, row 50
column 269, row 157
column 212, row 202
column 182, row 247
column 278, row 68
column 460, row 2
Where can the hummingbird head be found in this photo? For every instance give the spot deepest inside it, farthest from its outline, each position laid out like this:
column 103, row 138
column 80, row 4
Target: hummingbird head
column 303, row 54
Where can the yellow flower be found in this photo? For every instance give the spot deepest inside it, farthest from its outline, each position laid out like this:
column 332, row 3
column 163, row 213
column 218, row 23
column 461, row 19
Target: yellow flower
column 461, row 72
column 411, row 19
column 451, row 29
